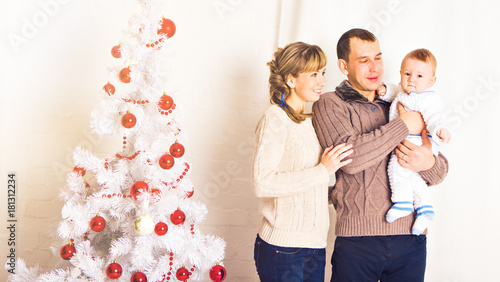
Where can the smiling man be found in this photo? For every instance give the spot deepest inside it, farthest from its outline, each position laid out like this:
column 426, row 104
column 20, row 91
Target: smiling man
column 368, row 248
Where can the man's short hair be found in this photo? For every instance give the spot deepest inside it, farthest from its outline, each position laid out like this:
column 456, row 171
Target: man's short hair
column 343, row 45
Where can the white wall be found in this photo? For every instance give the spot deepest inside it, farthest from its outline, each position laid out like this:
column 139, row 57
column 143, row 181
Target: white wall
column 50, row 82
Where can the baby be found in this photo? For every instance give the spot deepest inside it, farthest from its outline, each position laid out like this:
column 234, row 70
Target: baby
column 409, row 191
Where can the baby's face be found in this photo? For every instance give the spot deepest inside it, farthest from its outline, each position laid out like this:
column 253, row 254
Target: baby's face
column 416, row 76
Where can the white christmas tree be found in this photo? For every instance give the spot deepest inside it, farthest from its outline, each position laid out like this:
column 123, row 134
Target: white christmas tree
column 130, row 216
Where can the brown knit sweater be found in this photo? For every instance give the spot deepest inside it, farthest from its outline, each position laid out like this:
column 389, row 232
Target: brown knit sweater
column 361, row 194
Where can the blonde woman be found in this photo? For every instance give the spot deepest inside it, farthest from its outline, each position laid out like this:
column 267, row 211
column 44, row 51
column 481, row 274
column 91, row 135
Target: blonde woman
column 290, row 171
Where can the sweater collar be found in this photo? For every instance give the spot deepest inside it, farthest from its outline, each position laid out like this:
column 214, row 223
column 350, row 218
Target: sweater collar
column 349, row 94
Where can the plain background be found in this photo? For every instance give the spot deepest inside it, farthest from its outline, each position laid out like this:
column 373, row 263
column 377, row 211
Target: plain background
column 50, row 82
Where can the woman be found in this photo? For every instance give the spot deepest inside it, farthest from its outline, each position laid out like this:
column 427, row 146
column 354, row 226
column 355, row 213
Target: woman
column 290, row 173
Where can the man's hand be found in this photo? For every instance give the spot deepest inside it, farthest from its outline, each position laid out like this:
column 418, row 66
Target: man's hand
column 413, row 120
column 416, row 158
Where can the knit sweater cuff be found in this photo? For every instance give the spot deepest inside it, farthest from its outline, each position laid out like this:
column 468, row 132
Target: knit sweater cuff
column 436, row 174
column 399, row 129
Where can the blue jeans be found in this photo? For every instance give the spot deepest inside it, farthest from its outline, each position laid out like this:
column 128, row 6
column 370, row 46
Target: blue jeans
column 385, row 258
column 277, row 264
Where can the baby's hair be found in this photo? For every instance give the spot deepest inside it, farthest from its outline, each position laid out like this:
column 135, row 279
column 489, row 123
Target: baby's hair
column 423, row 55
column 292, row 60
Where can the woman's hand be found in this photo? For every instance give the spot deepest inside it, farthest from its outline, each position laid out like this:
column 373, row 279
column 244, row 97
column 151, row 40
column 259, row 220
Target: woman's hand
column 332, row 157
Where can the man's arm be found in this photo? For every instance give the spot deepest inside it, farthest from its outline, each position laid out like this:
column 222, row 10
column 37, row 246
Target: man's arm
column 334, row 125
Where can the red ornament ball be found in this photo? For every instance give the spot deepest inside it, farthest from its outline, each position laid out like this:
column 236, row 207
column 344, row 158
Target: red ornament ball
column 166, row 102
column 139, row 277
column 182, row 274
column 218, row 273
column 79, row 170
column 129, row 120
column 156, row 194
column 166, row 161
column 114, row 271
column 109, row 89
column 177, row 150
column 167, row 28
column 116, row 51
column 97, row 223
column 125, row 75
column 138, row 188
column 178, row 217
column 189, row 194
column 67, row 251
column 161, row 228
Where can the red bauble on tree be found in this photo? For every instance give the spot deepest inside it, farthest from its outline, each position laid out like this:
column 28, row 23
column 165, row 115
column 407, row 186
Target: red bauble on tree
column 114, row 270
column 161, row 228
column 155, row 194
column 166, row 102
column 97, row 223
column 182, row 274
column 137, row 188
column 125, row 75
column 178, row 217
column 166, row 161
column 109, row 89
column 138, row 277
column 177, row 150
column 79, row 170
column 189, row 194
column 128, row 120
column 67, row 251
column 116, row 51
column 218, row 273
column 167, row 28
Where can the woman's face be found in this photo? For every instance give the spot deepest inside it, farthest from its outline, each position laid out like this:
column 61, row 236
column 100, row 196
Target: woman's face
column 308, row 85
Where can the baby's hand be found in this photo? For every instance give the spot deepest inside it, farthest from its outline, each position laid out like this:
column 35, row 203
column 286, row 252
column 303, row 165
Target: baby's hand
column 444, row 135
column 381, row 90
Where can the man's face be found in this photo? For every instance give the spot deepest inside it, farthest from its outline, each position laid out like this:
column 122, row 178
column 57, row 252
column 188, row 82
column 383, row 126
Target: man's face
column 365, row 67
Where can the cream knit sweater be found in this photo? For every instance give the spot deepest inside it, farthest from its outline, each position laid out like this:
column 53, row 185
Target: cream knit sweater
column 291, row 183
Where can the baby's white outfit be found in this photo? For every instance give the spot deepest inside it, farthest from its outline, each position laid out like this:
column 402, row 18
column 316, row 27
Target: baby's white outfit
column 409, row 190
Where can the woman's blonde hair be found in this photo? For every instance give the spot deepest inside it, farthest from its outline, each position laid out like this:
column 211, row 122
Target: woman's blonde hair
column 294, row 59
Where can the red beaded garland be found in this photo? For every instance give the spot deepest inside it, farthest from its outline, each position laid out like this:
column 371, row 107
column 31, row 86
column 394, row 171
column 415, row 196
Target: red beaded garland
column 109, row 89
column 97, row 223
column 129, row 120
column 128, row 158
column 218, row 273
column 166, row 161
column 178, row 217
column 114, row 271
column 138, row 188
column 67, row 251
column 177, row 150
column 116, row 51
column 167, row 28
column 138, row 102
column 161, row 228
column 125, row 75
